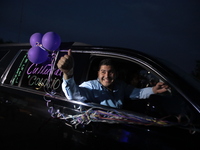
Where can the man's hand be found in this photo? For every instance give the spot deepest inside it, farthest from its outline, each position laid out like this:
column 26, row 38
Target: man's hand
column 160, row 87
column 66, row 64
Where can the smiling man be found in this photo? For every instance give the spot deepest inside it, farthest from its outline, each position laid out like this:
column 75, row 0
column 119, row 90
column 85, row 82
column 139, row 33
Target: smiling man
column 106, row 73
column 105, row 90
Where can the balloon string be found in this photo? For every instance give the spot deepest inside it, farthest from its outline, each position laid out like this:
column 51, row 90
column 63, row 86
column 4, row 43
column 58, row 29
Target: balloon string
column 40, row 45
column 47, row 88
column 53, row 61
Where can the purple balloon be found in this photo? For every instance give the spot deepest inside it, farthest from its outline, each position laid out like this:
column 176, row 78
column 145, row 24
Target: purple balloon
column 37, row 55
column 51, row 41
column 36, row 38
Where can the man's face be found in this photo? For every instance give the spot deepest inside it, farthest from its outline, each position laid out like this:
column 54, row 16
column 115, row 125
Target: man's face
column 106, row 75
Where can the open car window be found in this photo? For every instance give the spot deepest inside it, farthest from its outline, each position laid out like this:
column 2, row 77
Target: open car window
column 170, row 104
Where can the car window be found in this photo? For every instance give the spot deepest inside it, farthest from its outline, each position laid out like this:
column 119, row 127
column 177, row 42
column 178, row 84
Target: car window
column 25, row 74
column 15, row 69
column 169, row 104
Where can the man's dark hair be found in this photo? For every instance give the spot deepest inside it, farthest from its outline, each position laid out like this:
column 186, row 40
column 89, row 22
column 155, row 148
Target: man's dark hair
column 107, row 62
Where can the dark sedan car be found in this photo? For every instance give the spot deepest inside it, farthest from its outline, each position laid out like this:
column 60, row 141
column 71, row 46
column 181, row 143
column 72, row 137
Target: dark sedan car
column 34, row 111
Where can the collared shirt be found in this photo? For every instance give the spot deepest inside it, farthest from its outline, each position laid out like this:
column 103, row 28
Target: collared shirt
column 94, row 91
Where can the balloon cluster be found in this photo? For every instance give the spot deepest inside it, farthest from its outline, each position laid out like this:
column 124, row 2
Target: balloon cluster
column 42, row 45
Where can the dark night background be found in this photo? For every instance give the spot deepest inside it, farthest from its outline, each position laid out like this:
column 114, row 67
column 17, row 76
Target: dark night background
column 169, row 29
